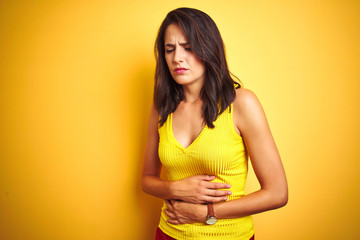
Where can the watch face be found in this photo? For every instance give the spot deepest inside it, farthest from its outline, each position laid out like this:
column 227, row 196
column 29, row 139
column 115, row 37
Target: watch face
column 211, row 220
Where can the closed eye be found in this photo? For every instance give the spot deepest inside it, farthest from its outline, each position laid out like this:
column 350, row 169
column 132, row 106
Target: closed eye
column 169, row 50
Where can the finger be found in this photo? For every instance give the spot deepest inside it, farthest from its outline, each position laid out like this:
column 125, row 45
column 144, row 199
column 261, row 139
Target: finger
column 215, row 199
column 173, row 221
column 217, row 185
column 217, row 193
column 201, row 201
column 170, row 214
column 206, row 177
column 169, row 205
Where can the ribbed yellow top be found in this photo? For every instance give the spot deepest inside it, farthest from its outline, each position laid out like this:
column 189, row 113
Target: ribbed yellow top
column 220, row 152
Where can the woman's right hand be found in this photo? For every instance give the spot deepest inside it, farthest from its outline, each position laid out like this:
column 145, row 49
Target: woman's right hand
column 198, row 189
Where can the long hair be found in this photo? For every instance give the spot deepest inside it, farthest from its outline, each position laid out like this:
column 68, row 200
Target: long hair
column 218, row 91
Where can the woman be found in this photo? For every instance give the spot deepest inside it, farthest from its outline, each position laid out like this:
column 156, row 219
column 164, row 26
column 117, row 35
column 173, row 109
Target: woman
column 202, row 128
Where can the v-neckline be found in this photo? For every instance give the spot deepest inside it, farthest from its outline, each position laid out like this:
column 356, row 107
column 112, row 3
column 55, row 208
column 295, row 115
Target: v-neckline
column 177, row 142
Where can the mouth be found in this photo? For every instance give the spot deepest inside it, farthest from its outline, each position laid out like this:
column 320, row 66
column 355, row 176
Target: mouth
column 180, row 70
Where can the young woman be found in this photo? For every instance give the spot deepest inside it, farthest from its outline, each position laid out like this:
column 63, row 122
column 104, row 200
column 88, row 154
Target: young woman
column 202, row 128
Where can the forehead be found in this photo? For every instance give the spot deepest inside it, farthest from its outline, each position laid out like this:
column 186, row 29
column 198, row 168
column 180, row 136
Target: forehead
column 174, row 34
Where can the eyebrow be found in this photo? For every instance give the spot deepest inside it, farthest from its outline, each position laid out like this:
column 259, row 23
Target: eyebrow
column 172, row 45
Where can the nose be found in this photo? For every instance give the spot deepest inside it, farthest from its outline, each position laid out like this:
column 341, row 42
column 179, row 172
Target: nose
column 178, row 55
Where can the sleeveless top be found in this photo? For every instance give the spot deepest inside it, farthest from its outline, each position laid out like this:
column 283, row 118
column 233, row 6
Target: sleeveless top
column 220, row 152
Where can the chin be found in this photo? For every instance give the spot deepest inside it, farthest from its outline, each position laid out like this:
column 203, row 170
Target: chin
column 181, row 81
column 184, row 80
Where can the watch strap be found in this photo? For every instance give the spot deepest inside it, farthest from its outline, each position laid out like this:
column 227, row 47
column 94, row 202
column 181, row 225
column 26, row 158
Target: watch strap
column 210, row 208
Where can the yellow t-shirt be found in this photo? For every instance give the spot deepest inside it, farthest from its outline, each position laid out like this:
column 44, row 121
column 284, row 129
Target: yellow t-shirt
column 220, row 152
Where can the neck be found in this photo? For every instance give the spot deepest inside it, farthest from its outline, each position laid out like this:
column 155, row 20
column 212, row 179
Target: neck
column 192, row 93
column 190, row 100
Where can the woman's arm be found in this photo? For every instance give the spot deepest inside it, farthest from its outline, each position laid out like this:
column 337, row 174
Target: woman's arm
column 251, row 122
column 195, row 189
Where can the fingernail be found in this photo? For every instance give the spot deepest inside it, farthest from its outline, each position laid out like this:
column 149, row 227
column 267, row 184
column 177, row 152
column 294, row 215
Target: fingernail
column 225, row 198
column 229, row 193
column 228, row 186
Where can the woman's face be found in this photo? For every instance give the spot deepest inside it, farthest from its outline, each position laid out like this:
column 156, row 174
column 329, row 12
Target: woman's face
column 185, row 67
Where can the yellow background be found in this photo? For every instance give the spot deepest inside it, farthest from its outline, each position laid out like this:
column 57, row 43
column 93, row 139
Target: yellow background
column 76, row 81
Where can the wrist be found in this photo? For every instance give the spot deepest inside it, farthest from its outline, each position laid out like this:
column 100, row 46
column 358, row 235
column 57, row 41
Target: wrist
column 201, row 212
column 169, row 186
column 204, row 212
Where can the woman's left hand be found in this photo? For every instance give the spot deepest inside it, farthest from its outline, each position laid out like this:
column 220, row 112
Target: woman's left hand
column 182, row 212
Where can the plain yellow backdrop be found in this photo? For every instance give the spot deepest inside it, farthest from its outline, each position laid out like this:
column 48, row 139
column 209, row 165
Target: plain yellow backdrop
column 76, row 82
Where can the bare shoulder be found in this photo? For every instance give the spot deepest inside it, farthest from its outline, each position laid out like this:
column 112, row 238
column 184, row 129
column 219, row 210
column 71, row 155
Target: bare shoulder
column 153, row 112
column 248, row 113
column 153, row 118
column 246, row 102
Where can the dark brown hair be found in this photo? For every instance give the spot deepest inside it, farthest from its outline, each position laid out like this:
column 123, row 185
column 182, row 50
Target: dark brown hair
column 206, row 43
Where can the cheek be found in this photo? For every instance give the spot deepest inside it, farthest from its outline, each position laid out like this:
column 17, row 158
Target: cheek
column 198, row 64
column 167, row 60
column 200, row 67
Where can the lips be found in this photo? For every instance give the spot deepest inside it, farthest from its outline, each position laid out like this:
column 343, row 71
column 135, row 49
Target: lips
column 180, row 70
